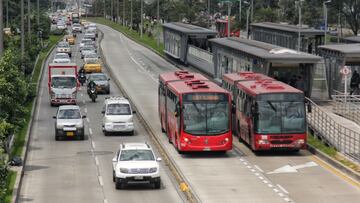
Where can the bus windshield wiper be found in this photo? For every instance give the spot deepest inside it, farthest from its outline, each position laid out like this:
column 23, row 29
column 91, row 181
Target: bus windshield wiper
column 272, row 106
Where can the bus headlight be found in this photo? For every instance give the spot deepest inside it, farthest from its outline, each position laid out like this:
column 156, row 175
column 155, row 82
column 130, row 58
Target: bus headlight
column 186, row 139
column 300, row 142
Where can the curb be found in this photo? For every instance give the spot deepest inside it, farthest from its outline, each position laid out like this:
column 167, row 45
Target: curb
column 179, row 177
column 20, row 170
column 334, row 163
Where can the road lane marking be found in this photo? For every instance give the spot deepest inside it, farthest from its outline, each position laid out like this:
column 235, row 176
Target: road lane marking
column 281, row 194
column 283, row 189
column 88, row 120
column 93, row 144
column 85, row 110
column 335, row 171
column 105, row 201
column 96, row 161
column 258, row 168
column 101, row 182
column 293, row 169
column 90, row 131
column 276, row 190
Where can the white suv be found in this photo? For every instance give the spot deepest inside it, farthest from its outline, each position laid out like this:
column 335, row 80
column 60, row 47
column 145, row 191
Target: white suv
column 136, row 163
column 118, row 116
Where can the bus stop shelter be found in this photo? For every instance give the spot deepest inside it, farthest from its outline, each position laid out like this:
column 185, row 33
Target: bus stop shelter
column 337, row 56
column 238, row 54
column 286, row 35
column 350, row 40
column 188, row 43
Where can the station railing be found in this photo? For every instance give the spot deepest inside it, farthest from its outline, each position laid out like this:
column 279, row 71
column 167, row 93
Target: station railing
column 345, row 140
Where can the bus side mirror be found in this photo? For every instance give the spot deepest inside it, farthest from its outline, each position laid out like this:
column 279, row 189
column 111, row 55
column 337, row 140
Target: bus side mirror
column 309, row 107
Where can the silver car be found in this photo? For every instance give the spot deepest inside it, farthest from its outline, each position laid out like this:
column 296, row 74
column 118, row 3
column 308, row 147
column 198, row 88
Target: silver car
column 101, row 81
column 69, row 122
column 87, row 50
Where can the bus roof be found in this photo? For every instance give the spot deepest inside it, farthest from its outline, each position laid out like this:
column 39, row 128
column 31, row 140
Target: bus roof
column 231, row 78
column 266, row 87
column 181, row 75
column 183, row 87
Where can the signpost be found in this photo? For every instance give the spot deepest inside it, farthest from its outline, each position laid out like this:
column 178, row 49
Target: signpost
column 345, row 71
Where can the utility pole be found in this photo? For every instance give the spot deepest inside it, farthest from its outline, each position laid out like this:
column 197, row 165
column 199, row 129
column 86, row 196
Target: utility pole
column 141, row 18
column 131, row 14
column 1, row 29
column 247, row 22
column 326, row 19
column 252, row 11
column 158, row 22
column 105, row 9
column 22, row 29
column 38, row 13
column 208, row 13
column 29, row 20
column 112, row 9
column 124, row 12
column 7, row 13
column 240, row 1
column 117, row 11
column 300, row 25
column 229, row 19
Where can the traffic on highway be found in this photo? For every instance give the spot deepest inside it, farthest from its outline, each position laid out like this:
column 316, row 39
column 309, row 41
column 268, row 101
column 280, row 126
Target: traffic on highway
column 115, row 122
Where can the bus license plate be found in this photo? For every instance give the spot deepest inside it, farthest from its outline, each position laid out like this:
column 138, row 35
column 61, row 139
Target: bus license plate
column 207, row 149
column 69, row 134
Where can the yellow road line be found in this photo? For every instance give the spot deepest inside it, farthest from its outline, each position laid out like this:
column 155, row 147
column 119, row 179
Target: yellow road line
column 335, row 171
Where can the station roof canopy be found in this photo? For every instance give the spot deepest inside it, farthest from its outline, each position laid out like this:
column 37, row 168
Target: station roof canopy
column 351, row 39
column 304, row 30
column 188, row 28
column 349, row 50
column 269, row 52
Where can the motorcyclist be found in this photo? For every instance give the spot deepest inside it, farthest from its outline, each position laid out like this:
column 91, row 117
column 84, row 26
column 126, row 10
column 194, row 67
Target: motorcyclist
column 82, row 70
column 90, row 86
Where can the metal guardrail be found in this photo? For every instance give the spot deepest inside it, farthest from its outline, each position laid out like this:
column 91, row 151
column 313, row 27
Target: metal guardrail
column 332, row 133
column 347, row 106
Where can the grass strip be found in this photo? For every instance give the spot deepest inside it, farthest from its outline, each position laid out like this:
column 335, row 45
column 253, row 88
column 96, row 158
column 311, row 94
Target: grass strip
column 331, row 151
column 146, row 40
column 21, row 134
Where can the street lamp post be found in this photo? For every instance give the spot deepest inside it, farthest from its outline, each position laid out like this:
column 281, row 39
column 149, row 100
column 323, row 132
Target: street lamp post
column 325, row 19
column 247, row 18
column 141, row 18
column 229, row 18
column 240, row 1
column 300, row 25
column 131, row 14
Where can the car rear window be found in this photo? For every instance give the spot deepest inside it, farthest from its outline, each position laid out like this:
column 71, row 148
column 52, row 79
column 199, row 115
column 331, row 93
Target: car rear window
column 118, row 109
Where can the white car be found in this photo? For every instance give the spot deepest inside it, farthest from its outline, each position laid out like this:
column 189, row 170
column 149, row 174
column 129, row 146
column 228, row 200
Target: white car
column 69, row 122
column 87, row 50
column 63, row 47
column 83, row 42
column 76, row 27
column 91, row 58
column 134, row 163
column 118, row 116
column 90, row 35
column 61, row 25
column 61, row 58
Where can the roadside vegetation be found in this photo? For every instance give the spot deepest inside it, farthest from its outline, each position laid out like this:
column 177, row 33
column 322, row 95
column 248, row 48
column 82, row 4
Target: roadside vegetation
column 18, row 78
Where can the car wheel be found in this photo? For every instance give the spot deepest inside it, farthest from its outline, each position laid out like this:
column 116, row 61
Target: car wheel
column 105, row 133
column 157, row 184
column 114, row 179
column 82, row 137
column 108, row 91
column 57, row 138
column 70, row 55
column 132, row 132
column 119, row 185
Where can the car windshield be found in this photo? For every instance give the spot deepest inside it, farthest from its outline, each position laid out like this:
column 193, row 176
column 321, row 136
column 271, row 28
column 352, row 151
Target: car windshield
column 274, row 117
column 88, row 48
column 85, row 40
column 92, row 61
column 206, row 114
column 61, row 56
column 63, row 82
column 69, row 114
column 118, row 109
column 137, row 155
column 63, row 45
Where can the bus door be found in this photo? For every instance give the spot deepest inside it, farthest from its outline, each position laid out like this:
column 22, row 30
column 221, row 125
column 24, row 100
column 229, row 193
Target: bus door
column 162, row 105
column 172, row 116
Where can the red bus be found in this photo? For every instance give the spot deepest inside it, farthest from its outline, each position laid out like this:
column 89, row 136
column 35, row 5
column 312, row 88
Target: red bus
column 222, row 27
column 198, row 115
column 164, row 80
column 229, row 82
column 270, row 115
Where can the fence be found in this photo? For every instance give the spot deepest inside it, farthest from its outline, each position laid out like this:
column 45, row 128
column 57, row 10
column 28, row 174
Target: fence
column 332, row 133
column 347, row 106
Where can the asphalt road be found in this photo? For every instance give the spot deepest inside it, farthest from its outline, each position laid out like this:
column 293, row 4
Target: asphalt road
column 240, row 175
column 81, row 171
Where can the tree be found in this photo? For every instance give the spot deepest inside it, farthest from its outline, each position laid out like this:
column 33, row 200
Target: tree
column 350, row 9
column 1, row 28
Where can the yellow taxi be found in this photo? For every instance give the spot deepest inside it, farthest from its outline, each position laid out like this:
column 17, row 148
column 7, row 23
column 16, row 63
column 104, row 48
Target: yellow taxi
column 70, row 39
column 92, row 66
column 83, row 22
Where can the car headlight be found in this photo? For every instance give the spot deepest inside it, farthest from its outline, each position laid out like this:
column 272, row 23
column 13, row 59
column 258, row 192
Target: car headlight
column 152, row 170
column 124, row 170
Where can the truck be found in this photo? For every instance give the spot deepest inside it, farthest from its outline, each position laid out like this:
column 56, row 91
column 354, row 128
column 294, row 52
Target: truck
column 63, row 84
column 75, row 17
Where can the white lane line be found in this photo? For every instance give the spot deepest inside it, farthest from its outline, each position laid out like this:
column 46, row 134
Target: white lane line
column 90, row 131
column 258, row 168
column 105, row 201
column 270, row 185
column 241, row 159
column 101, row 182
column 281, row 194
column 96, row 161
column 84, row 101
column 93, row 144
column 88, row 120
column 85, row 110
column 257, row 174
column 245, row 163
column 276, row 190
column 261, row 178
column 249, row 167
column 283, row 189
column 265, row 181
column 287, row 199
column 253, row 170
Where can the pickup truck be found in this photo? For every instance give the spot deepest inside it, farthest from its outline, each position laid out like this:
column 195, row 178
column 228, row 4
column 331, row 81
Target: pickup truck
column 63, row 84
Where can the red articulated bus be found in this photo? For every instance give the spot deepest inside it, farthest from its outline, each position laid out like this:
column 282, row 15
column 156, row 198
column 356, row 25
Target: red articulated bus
column 164, row 80
column 222, row 28
column 197, row 116
column 229, row 82
column 270, row 115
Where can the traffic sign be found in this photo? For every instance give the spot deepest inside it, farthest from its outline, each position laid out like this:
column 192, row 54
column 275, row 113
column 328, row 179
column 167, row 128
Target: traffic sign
column 345, row 70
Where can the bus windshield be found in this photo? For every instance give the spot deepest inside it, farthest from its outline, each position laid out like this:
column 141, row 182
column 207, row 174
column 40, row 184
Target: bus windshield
column 275, row 117
column 206, row 113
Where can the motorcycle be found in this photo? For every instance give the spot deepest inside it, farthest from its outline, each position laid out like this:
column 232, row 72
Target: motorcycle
column 93, row 94
column 82, row 78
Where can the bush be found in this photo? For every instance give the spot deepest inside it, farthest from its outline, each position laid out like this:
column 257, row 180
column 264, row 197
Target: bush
column 58, row 32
